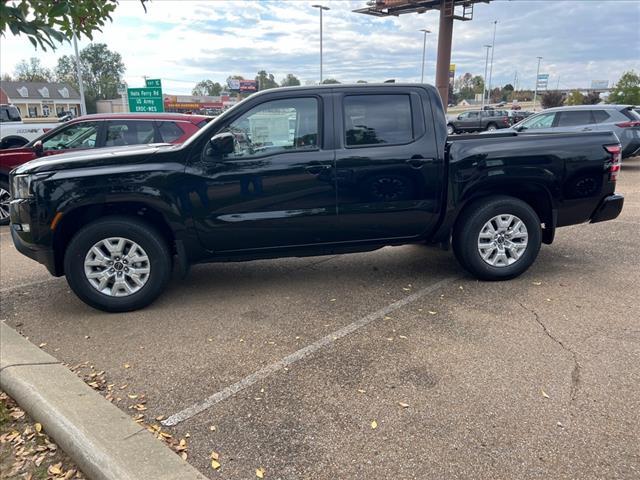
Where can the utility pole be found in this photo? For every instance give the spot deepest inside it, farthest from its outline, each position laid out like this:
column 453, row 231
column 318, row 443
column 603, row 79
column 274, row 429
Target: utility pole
column 535, row 92
column 493, row 49
column 321, row 8
column 424, row 52
column 83, row 106
column 484, row 79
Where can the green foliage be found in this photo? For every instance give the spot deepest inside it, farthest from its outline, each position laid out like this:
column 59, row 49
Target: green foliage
column 575, row 98
column 32, row 71
column 45, row 22
column 552, row 98
column 592, row 98
column 102, row 71
column 290, row 80
column 207, row 87
column 508, row 88
column 266, row 80
column 361, row 81
column 329, row 81
column 627, row 90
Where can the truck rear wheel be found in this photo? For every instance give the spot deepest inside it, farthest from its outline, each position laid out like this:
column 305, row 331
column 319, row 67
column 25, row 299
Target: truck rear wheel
column 497, row 238
column 117, row 264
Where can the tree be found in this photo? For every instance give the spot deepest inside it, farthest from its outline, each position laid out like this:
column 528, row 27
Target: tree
column 575, row 98
column 361, row 81
column 45, row 22
column 627, row 90
column 290, row 81
column 497, row 95
column 207, row 87
column 102, row 71
column 32, row 71
column 6, row 77
column 477, row 83
column 552, row 98
column 592, row 98
column 329, row 81
column 266, row 80
column 508, row 88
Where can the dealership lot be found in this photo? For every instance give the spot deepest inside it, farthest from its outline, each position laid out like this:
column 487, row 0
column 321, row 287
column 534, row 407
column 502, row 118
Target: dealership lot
column 533, row 378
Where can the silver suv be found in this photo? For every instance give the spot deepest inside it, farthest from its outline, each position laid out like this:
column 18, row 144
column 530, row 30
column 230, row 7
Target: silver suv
column 622, row 120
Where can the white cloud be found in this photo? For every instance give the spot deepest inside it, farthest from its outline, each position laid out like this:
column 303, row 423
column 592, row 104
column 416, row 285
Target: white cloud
column 185, row 41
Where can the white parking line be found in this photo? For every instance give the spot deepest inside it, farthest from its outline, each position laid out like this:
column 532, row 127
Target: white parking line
column 299, row 355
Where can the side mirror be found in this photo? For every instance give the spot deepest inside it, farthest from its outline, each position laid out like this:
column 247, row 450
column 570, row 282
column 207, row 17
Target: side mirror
column 38, row 149
column 460, row 117
column 221, row 144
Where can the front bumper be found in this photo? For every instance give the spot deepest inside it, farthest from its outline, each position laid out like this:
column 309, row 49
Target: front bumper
column 41, row 255
column 609, row 208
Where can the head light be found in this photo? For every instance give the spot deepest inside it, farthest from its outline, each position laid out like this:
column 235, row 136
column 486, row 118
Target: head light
column 21, row 186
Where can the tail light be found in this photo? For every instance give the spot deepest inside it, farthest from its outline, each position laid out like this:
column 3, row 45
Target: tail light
column 45, row 130
column 616, row 160
column 505, row 120
column 629, row 124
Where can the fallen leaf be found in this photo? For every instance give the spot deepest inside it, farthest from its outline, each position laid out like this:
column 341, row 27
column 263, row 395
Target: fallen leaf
column 126, row 365
column 537, row 283
column 122, row 387
column 38, row 427
column 544, row 394
column 332, row 300
column 212, row 428
column 215, row 464
column 132, row 396
column 431, row 312
column 44, row 344
column 374, row 425
column 214, row 455
column 55, row 469
column 160, row 417
column 403, row 405
column 183, row 455
column 362, row 391
column 260, row 472
column 402, row 336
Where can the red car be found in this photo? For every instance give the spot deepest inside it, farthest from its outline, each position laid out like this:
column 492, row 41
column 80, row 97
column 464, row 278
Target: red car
column 98, row 131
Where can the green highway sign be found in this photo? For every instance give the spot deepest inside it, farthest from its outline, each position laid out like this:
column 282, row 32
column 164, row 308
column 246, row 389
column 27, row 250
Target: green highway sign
column 145, row 100
column 153, row 82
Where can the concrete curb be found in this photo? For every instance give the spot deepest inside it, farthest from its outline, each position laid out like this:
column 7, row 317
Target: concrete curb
column 105, row 442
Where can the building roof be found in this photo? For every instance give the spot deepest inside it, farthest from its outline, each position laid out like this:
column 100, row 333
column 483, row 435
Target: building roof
column 17, row 91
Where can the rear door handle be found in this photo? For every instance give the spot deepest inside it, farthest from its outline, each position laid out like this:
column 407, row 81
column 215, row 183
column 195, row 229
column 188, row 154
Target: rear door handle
column 315, row 169
column 419, row 162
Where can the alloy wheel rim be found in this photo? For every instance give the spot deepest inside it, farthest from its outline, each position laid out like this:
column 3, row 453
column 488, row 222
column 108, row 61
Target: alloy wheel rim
column 503, row 240
column 5, row 199
column 117, row 267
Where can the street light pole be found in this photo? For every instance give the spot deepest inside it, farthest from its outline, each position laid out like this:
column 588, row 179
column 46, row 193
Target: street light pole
column 493, row 49
column 424, row 52
column 484, row 79
column 535, row 92
column 83, row 106
column 321, row 8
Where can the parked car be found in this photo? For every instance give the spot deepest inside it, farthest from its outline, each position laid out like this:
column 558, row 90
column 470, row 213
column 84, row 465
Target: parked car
column 97, row 131
column 14, row 132
column 366, row 166
column 516, row 116
column 478, row 120
column 623, row 120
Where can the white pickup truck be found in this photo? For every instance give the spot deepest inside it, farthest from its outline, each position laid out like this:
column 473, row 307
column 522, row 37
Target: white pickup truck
column 14, row 132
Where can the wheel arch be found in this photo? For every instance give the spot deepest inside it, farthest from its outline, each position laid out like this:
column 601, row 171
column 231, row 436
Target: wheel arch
column 71, row 222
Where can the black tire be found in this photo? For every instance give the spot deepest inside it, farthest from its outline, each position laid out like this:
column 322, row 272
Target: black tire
column 143, row 234
column 492, row 127
column 5, row 198
column 471, row 222
column 450, row 129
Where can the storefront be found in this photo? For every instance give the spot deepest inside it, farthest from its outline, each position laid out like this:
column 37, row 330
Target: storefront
column 207, row 105
column 40, row 99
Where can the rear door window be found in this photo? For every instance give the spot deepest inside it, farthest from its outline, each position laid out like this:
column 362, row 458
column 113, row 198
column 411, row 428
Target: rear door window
column 601, row 116
column 129, row 132
column 377, row 120
column 574, row 118
column 169, row 131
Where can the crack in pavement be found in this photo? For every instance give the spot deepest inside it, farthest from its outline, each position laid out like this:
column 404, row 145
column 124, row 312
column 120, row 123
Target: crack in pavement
column 575, row 372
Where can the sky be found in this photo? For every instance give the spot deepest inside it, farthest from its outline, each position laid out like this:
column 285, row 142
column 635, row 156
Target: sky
column 183, row 42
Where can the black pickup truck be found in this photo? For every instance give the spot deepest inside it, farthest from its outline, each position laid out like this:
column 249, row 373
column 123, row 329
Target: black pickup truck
column 307, row 171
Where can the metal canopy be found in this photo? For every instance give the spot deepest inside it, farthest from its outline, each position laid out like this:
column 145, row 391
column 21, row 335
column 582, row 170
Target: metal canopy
column 456, row 9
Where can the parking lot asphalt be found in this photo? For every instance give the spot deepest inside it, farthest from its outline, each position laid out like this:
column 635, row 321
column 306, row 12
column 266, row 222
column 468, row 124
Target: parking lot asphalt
column 538, row 377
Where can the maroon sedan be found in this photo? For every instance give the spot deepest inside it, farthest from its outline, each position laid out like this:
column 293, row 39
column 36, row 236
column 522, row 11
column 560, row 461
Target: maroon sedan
column 97, row 131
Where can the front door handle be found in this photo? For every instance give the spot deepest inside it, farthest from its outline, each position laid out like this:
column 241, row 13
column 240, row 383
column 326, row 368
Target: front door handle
column 419, row 162
column 316, row 169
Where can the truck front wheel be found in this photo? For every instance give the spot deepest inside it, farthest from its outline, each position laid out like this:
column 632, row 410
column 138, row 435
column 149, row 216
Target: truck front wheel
column 497, row 238
column 117, row 264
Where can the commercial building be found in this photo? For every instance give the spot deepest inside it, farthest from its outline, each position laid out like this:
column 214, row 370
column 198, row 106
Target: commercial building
column 40, row 99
